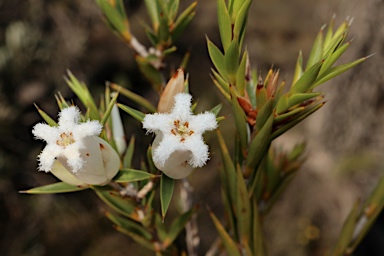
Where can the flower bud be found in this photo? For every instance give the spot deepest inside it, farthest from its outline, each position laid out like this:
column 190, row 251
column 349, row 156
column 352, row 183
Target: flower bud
column 173, row 87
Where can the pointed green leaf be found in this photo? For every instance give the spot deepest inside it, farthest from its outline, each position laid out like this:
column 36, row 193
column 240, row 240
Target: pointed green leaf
column 329, row 34
column 216, row 109
column 288, row 115
column 259, row 146
column 231, row 61
column 229, row 175
column 223, row 85
column 129, row 175
column 137, row 238
column 125, row 206
column 335, row 71
column 299, row 68
column 240, row 22
column 217, row 59
column 153, row 11
column 229, row 244
column 225, row 25
column 347, row 231
column 243, row 212
column 46, row 117
column 264, row 114
column 240, row 118
column 130, row 225
column 307, row 79
column 304, row 114
column 330, row 60
column 81, row 91
column 371, row 210
column 127, row 160
column 317, row 50
column 300, row 98
column 183, row 21
column 59, row 187
column 138, row 115
column 178, row 225
column 134, row 97
column 240, row 76
column 113, row 16
column 257, row 234
column 166, row 191
column 109, row 109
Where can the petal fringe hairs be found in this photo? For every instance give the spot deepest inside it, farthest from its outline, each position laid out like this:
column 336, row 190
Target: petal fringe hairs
column 179, row 147
column 74, row 153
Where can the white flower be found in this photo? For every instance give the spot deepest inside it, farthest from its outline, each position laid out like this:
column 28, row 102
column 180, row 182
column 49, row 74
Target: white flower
column 74, row 153
column 179, row 146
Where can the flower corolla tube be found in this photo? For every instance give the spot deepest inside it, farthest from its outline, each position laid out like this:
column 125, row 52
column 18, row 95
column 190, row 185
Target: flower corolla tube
column 179, row 147
column 74, row 153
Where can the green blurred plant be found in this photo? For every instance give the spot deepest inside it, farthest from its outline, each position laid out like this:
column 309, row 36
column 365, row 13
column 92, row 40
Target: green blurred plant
column 256, row 174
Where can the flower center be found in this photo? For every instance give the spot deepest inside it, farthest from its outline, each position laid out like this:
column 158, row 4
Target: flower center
column 65, row 139
column 181, row 129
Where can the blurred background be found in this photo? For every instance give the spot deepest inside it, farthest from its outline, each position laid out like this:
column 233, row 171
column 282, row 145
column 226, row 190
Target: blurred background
column 40, row 40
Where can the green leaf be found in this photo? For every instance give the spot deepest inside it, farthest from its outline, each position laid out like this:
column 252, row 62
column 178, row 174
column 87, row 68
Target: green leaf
column 173, row 8
column 240, row 118
column 225, row 25
column 216, row 109
column 243, row 212
column 300, row 98
column 217, row 59
column 370, row 211
column 127, row 160
column 222, row 84
column 304, row 114
column 81, row 91
column 134, row 97
column 129, row 175
column 299, row 68
column 259, row 146
column 306, row 81
column 163, row 33
column 329, row 35
column 264, row 114
column 335, row 71
column 229, row 175
column 257, row 234
column 289, row 115
column 229, row 245
column 166, row 191
column 231, row 61
column 153, row 11
column 59, row 187
column 138, row 115
column 317, row 50
column 130, row 225
column 137, row 238
column 240, row 22
column 125, row 206
column 113, row 16
column 178, row 225
column 109, row 109
column 347, row 231
column 240, row 76
column 330, row 60
column 46, row 117
column 183, row 21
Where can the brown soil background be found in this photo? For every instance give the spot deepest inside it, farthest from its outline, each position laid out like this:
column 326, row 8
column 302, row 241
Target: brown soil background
column 345, row 138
